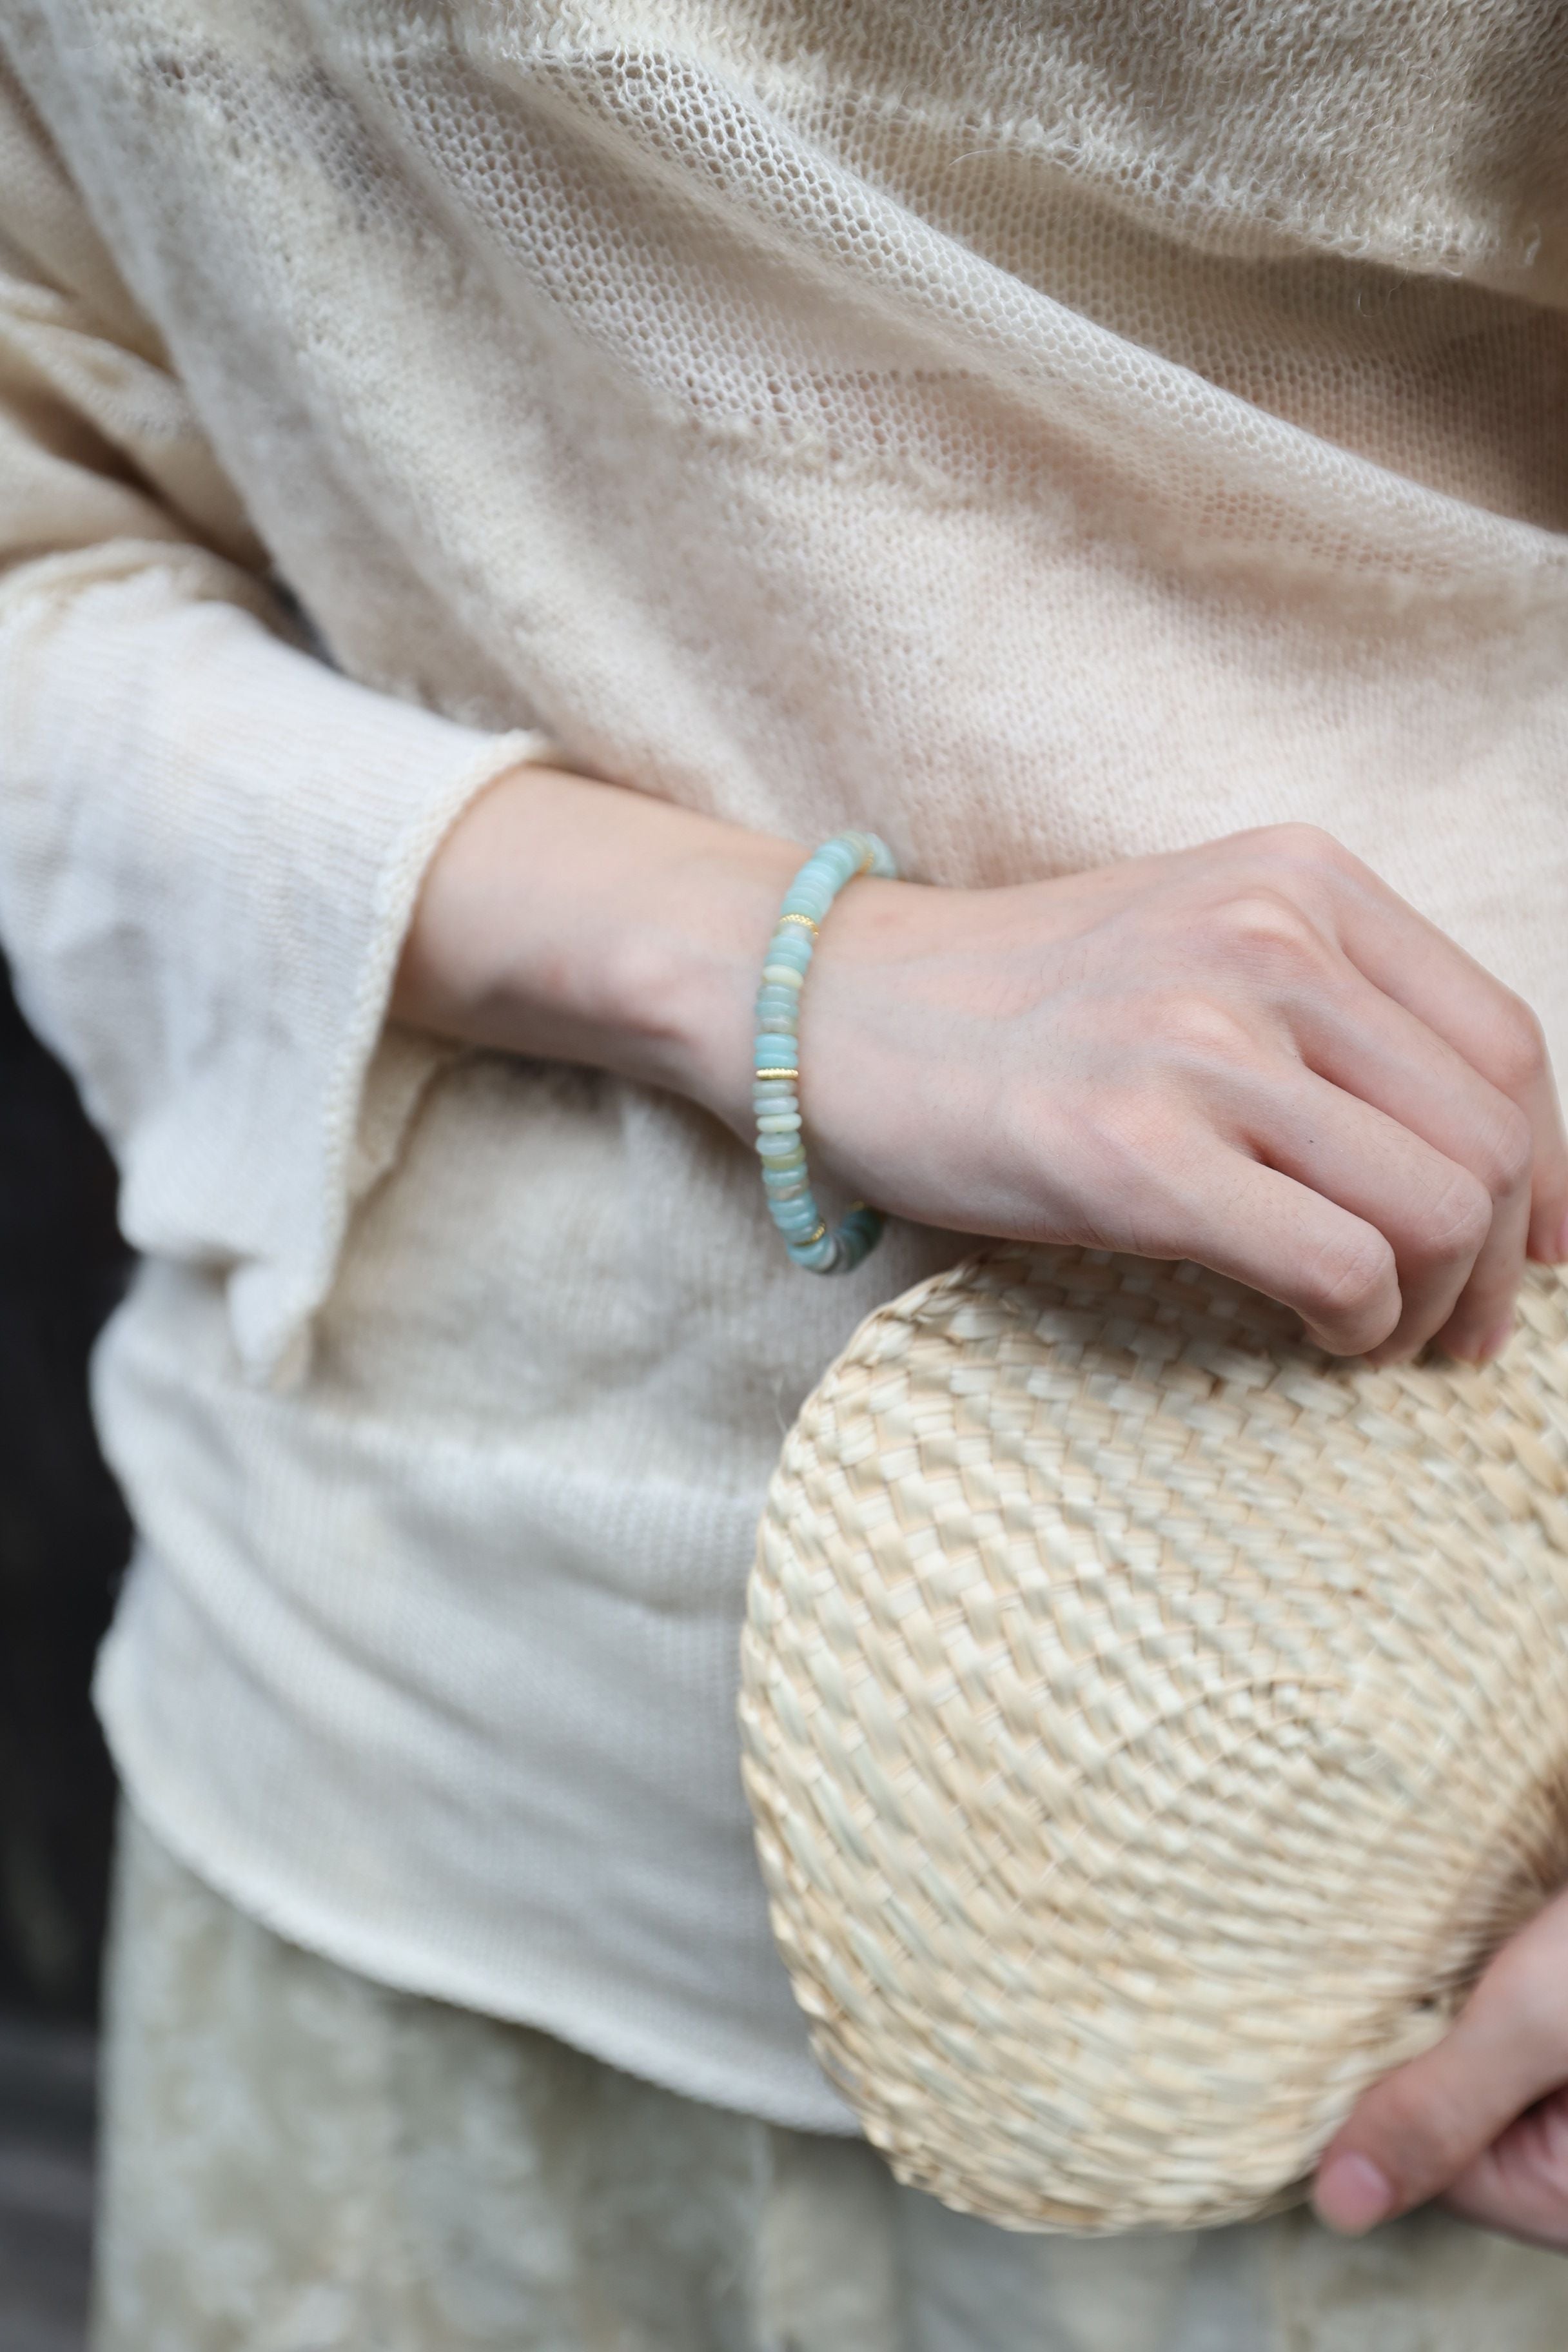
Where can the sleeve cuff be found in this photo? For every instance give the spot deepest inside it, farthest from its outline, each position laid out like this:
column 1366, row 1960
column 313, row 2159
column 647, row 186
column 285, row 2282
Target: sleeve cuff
column 210, row 849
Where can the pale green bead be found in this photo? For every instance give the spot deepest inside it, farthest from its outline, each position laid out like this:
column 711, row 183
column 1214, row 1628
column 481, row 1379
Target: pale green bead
column 821, row 1256
column 797, row 1227
column 780, row 1143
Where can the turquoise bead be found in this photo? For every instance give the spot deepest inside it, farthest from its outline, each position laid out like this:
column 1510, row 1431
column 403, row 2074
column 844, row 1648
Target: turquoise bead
column 791, row 950
column 797, row 1218
column 821, row 1257
column 780, row 1142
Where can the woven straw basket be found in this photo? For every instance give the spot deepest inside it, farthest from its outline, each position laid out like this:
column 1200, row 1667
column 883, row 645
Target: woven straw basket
column 1152, row 1725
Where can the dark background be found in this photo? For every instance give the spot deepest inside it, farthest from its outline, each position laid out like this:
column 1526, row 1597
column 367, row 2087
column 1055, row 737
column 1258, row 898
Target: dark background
column 63, row 1536
column 63, row 1545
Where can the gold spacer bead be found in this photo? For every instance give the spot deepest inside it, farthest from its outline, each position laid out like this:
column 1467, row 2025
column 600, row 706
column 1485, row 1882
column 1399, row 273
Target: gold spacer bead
column 807, row 1239
column 807, row 922
column 775, row 1074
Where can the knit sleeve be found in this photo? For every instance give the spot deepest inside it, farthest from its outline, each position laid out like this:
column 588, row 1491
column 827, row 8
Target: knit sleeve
column 210, row 841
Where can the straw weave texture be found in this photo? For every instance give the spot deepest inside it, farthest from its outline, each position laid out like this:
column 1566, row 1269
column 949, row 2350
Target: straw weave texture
column 1152, row 1725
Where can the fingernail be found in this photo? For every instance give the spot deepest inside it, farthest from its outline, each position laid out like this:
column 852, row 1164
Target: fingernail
column 1351, row 2195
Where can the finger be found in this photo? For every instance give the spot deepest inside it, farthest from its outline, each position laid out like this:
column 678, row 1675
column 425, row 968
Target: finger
column 1484, row 1314
column 1420, row 2130
column 1519, row 2184
column 1436, row 1216
column 1362, row 1041
column 1243, row 1218
column 1417, row 964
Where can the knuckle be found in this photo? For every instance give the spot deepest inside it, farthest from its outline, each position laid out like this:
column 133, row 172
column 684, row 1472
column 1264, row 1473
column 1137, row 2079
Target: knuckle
column 1518, row 1059
column 1506, row 1155
column 1458, row 1218
column 1190, row 1026
column 1263, row 931
column 1302, row 848
column 1347, row 1283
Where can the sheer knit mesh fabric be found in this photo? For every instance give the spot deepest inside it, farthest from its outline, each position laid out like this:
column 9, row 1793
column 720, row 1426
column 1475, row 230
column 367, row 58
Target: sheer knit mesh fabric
column 1042, row 434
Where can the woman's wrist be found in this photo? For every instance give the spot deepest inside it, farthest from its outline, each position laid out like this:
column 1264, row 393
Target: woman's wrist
column 577, row 922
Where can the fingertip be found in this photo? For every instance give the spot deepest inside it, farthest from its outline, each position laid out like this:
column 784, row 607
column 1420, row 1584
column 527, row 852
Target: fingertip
column 1368, row 1334
column 1548, row 1242
column 1497, row 1339
column 1467, row 1345
column 1351, row 2194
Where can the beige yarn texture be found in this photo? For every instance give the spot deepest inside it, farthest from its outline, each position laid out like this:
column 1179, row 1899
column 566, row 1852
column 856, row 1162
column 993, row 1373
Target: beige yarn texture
column 1151, row 1724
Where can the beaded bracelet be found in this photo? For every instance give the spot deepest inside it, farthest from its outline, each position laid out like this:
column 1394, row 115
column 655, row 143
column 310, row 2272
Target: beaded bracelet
column 776, row 1062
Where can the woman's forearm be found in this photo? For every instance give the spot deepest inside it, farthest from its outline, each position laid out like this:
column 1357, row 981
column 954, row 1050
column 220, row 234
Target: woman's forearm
column 580, row 922
column 1251, row 1053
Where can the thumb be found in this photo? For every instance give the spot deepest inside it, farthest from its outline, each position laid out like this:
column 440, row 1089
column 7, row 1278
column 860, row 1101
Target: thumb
column 1412, row 2135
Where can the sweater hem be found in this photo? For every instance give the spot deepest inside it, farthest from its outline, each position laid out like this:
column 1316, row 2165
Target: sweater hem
column 256, row 1888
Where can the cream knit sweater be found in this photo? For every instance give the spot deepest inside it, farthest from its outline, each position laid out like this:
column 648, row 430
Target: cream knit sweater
column 1041, row 432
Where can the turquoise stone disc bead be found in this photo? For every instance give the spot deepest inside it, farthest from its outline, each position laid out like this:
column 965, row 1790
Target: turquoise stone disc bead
column 780, row 1143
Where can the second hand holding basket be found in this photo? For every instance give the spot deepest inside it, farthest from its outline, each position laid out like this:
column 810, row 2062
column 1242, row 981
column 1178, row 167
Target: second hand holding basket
column 1152, row 1725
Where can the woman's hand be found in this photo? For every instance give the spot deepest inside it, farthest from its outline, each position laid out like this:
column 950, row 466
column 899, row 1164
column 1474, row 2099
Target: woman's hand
column 1481, row 2120
column 1252, row 1053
